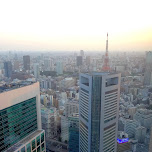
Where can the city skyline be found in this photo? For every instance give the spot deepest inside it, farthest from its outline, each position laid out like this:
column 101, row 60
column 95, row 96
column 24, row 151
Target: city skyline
column 68, row 25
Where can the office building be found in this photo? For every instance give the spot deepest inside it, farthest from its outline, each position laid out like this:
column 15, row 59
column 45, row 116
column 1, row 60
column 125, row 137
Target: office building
column 88, row 60
column 144, row 117
column 8, row 69
column 140, row 134
column 59, row 68
column 36, row 70
column 148, row 70
column 98, row 112
column 123, row 143
column 130, row 127
column 71, row 106
column 79, row 60
column 64, row 129
column 20, row 119
column 26, row 62
column 49, row 121
column 73, row 132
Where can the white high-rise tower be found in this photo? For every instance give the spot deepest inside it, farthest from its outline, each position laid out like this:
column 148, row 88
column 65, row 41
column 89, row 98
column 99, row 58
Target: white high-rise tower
column 98, row 112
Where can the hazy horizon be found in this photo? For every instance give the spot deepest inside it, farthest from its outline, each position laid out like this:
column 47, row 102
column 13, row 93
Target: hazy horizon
column 75, row 25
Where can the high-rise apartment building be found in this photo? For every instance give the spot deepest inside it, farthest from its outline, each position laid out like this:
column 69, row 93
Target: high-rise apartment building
column 148, row 71
column 8, row 69
column 20, row 119
column 73, row 132
column 98, row 112
column 26, row 62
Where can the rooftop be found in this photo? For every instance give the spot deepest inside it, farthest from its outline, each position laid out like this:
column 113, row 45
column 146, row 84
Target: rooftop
column 14, row 85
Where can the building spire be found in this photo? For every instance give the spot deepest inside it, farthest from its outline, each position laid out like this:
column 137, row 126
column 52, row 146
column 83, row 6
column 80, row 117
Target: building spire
column 106, row 66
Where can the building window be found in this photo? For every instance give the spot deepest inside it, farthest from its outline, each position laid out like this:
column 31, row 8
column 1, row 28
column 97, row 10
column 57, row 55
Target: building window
column 23, row 149
column 38, row 149
column 42, row 146
column 38, row 140
column 42, row 137
column 33, row 144
column 28, row 147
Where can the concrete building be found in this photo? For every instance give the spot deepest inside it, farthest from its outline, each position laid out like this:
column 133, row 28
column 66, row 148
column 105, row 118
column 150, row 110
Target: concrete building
column 36, row 70
column 20, row 120
column 73, row 132
column 144, row 117
column 130, row 126
column 88, row 60
column 79, row 60
column 131, row 111
column 26, row 62
column 45, row 83
column 123, row 143
column 71, row 106
column 49, row 124
column 148, row 71
column 8, row 69
column 64, row 129
column 140, row 134
column 98, row 112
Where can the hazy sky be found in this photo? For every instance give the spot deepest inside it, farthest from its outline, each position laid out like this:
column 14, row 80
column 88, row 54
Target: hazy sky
column 75, row 24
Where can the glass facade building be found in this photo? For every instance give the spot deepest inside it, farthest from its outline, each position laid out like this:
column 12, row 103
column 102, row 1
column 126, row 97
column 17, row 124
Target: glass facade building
column 17, row 122
column 20, row 119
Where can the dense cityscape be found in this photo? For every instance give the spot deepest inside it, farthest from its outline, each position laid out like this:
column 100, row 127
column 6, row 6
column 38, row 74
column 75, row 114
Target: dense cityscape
column 75, row 76
column 76, row 101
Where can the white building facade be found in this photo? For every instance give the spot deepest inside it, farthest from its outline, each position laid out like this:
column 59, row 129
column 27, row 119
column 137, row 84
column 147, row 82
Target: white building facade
column 98, row 112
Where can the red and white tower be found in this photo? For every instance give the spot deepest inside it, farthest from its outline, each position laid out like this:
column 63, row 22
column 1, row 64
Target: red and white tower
column 106, row 66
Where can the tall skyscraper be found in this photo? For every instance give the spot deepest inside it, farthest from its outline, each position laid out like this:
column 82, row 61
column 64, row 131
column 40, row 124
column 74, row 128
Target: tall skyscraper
column 8, row 69
column 36, row 70
column 20, row 119
column 148, row 71
column 79, row 60
column 88, row 60
column 26, row 62
column 98, row 112
column 106, row 66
